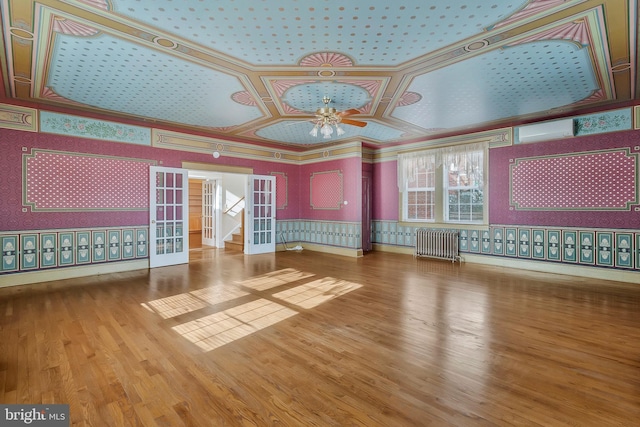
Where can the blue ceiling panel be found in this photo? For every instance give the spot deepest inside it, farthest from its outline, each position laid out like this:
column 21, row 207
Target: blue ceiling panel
column 118, row 75
column 510, row 82
column 256, row 71
column 376, row 32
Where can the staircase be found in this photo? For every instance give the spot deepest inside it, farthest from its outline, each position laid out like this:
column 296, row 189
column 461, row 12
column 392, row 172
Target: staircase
column 237, row 239
column 236, row 243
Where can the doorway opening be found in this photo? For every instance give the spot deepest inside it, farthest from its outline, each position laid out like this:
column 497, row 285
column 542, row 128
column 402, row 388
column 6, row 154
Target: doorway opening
column 216, row 208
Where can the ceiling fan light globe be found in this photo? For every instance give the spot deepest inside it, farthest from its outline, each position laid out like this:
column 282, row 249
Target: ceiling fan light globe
column 339, row 131
column 326, row 131
column 314, row 131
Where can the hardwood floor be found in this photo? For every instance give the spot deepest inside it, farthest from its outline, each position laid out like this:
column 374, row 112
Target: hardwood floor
column 309, row 339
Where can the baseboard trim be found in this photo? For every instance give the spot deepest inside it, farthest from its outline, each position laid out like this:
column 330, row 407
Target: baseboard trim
column 617, row 275
column 355, row 253
column 556, row 268
column 393, row 249
column 30, row 277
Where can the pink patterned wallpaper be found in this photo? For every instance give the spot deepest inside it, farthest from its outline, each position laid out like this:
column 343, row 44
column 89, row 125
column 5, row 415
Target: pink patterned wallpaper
column 68, row 181
column 587, row 181
column 282, row 189
column 326, row 190
column 581, row 181
column 15, row 215
column 385, row 201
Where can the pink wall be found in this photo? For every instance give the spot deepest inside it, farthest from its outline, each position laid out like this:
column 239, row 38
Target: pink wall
column 351, row 170
column 552, row 198
column 14, row 216
column 385, row 191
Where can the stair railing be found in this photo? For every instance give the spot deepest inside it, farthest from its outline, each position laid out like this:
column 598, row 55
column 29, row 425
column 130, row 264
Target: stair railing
column 233, row 206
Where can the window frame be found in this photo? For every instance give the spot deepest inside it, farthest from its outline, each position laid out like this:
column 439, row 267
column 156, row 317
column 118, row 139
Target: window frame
column 427, row 189
column 441, row 206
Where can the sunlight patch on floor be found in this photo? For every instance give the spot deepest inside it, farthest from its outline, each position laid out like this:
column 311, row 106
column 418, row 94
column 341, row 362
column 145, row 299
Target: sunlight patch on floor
column 176, row 305
column 216, row 296
column 187, row 302
column 274, row 279
column 218, row 329
column 317, row 292
column 222, row 327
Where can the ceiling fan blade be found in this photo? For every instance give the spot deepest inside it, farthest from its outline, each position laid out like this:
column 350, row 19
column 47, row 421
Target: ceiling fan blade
column 348, row 112
column 353, row 122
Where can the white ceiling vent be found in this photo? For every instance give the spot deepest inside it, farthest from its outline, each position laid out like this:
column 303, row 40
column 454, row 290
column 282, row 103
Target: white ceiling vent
column 546, row 131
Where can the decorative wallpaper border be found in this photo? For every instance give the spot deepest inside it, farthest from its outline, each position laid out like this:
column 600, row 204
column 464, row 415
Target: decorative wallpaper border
column 342, row 234
column 619, row 249
column 607, row 121
column 37, row 250
column 18, row 118
column 201, row 144
column 65, row 124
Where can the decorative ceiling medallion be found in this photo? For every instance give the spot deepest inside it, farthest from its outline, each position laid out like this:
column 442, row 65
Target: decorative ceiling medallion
column 621, row 67
column 326, row 59
column 21, row 34
column 408, row 98
column 326, row 73
column 161, row 41
column 244, row 98
column 476, row 45
column 22, row 79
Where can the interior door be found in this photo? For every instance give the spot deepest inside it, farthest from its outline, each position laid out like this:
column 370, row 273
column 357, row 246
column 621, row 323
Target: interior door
column 260, row 214
column 169, row 216
column 209, row 212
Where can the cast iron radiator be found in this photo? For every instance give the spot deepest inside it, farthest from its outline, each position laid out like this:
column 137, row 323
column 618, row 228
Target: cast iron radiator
column 441, row 244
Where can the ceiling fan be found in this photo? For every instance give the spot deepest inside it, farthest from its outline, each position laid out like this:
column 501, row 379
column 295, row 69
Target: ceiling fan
column 326, row 117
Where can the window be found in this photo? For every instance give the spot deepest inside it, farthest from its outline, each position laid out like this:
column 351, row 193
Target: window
column 464, row 195
column 421, row 193
column 443, row 185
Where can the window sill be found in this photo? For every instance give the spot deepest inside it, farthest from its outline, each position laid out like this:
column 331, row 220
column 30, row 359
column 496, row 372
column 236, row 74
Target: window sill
column 457, row 225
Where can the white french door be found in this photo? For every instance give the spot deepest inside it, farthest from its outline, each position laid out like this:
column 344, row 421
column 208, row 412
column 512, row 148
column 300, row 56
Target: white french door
column 260, row 214
column 209, row 212
column 169, row 216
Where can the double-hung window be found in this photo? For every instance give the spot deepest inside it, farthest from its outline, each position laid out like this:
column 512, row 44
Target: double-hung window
column 421, row 192
column 464, row 186
column 445, row 185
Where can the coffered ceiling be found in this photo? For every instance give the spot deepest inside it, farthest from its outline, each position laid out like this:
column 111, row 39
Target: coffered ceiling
column 256, row 71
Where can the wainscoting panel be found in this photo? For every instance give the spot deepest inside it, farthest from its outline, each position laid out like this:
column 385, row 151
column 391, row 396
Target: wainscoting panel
column 331, row 233
column 607, row 248
column 50, row 249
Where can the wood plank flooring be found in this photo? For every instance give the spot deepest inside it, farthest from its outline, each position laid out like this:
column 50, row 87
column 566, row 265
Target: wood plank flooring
column 309, row 339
